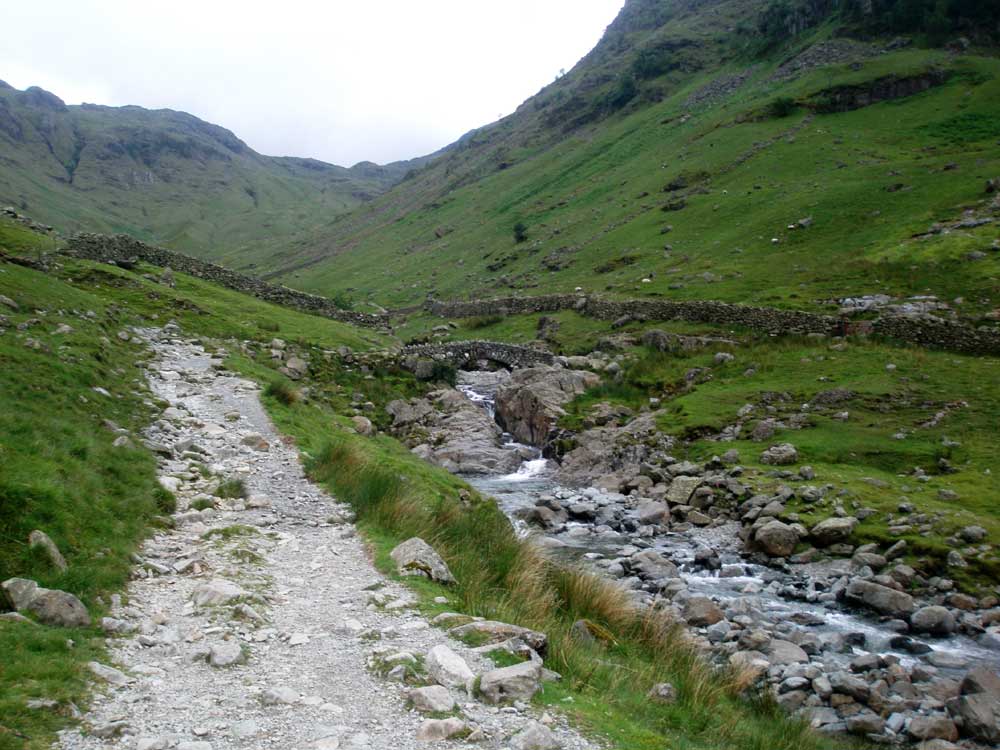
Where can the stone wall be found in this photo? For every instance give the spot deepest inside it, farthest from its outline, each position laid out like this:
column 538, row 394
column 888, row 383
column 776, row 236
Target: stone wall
column 121, row 247
column 938, row 334
column 764, row 319
column 921, row 331
column 460, row 352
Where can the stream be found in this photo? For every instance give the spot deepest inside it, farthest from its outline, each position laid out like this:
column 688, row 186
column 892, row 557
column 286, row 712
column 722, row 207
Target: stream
column 783, row 601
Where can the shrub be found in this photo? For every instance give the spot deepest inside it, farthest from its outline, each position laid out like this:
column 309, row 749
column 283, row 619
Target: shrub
column 483, row 321
column 231, row 489
column 783, row 106
column 282, row 391
column 269, row 326
column 165, row 500
column 520, row 232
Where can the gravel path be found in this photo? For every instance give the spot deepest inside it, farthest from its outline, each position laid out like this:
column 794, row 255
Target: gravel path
column 291, row 598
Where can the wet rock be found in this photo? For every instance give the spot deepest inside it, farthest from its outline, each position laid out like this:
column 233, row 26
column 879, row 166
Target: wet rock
column 50, row 606
column 417, row 557
column 653, row 566
column 517, row 683
column 935, row 620
column 880, row 598
column 845, row 683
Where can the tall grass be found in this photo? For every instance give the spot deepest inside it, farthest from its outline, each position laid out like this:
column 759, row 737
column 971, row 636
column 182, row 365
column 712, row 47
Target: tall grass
column 502, row 577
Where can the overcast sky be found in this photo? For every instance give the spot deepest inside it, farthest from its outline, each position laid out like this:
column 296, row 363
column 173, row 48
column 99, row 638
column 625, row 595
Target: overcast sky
column 335, row 80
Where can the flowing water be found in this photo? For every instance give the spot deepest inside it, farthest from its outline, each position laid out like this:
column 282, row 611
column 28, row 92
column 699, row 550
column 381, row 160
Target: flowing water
column 777, row 595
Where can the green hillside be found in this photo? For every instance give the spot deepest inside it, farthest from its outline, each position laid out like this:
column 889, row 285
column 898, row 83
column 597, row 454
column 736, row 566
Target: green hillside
column 166, row 177
column 685, row 149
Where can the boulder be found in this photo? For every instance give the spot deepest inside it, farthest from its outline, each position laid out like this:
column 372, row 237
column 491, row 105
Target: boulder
column 880, row 598
column 50, row 606
column 932, row 727
column 534, row 737
column 652, row 512
column 701, row 611
column 777, row 539
column 934, row 619
column 447, row 668
column 785, row 652
column 432, row 699
column 415, row 557
column 432, row 730
column 508, row 684
column 653, row 566
column 225, row 654
column 681, row 489
column 363, row 426
column 780, row 455
column 39, row 539
column 833, row 531
column 215, row 592
column 531, row 403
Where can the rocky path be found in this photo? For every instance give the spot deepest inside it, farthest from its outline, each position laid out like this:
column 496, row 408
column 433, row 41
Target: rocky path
column 254, row 624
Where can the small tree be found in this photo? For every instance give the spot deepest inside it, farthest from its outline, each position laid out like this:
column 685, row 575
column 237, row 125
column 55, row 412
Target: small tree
column 520, row 232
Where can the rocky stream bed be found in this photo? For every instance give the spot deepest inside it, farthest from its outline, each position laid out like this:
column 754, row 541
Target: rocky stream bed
column 850, row 637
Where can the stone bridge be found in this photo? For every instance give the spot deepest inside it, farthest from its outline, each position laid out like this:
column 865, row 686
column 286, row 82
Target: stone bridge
column 459, row 353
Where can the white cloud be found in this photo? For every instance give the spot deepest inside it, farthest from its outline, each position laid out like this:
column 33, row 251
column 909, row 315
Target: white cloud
column 341, row 81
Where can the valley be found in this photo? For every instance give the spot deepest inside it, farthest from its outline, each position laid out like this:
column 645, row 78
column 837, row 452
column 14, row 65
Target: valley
column 659, row 413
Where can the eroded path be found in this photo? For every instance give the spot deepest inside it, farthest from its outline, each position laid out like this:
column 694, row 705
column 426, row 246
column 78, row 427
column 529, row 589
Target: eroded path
column 253, row 624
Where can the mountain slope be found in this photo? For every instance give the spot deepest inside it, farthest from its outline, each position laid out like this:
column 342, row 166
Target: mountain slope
column 166, row 176
column 682, row 150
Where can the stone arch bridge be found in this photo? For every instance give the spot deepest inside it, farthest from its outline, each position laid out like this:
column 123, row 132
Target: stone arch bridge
column 459, row 353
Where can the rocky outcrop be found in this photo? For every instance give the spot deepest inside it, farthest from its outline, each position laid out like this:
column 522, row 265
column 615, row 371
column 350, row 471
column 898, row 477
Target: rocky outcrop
column 531, row 403
column 450, row 431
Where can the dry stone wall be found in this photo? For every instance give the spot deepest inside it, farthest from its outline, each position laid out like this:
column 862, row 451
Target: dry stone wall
column 921, row 331
column 121, row 247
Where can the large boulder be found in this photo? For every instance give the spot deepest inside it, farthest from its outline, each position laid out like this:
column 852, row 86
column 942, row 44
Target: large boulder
column 508, row 684
column 880, row 598
column 50, row 606
column 531, row 403
column 780, row 455
column 934, row 619
column 776, row 539
column 415, row 557
column 833, row 531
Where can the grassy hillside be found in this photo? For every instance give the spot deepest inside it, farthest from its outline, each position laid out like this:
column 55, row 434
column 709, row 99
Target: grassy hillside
column 166, row 177
column 698, row 181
